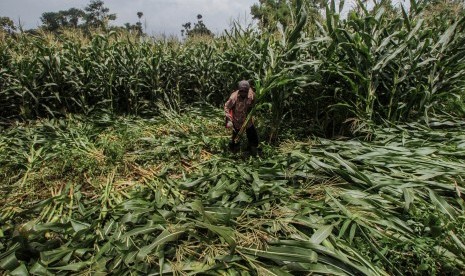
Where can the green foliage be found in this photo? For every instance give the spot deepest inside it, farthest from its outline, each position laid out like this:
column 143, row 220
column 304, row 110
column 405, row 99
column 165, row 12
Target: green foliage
column 95, row 15
column 199, row 28
column 164, row 198
column 375, row 67
column 270, row 13
column 54, row 21
column 7, row 25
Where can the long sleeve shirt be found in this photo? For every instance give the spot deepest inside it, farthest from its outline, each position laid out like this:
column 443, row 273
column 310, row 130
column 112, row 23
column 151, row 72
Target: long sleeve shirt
column 240, row 107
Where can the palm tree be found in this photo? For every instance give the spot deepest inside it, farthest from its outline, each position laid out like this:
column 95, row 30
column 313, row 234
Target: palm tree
column 139, row 24
column 140, row 14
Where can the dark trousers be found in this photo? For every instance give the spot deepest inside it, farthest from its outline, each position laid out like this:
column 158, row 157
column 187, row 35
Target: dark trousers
column 252, row 138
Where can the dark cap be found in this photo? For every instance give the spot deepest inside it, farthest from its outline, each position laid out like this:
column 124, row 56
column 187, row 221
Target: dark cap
column 244, row 85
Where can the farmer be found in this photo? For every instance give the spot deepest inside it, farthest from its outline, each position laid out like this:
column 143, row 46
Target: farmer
column 236, row 109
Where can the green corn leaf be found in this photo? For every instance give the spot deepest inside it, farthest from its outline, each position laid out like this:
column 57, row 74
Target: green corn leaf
column 39, row 269
column 164, row 237
column 268, row 270
column 49, row 257
column 341, row 5
column 284, row 253
column 78, row 226
column 224, row 232
column 71, row 267
column 321, row 234
column 406, row 18
column 344, row 228
column 408, row 198
column 335, row 259
column 457, row 241
column 446, row 37
column 9, row 262
column 20, row 271
column 352, row 232
column 142, row 231
column 442, row 205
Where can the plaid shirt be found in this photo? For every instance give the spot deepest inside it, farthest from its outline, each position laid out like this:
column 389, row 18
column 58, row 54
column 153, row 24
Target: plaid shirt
column 240, row 107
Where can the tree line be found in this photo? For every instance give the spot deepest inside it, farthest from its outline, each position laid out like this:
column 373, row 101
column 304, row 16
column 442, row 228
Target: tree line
column 94, row 16
column 268, row 13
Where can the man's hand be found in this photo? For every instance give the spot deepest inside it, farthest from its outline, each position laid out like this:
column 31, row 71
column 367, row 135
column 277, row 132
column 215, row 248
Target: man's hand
column 229, row 124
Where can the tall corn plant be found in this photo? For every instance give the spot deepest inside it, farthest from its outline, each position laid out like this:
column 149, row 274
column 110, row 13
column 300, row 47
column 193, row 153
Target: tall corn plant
column 374, row 65
column 371, row 66
column 45, row 75
column 19, row 70
column 5, row 76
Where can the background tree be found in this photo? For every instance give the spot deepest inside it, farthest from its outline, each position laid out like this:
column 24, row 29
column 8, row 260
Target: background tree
column 73, row 17
column 53, row 21
column 97, row 15
column 187, row 27
column 7, row 25
column 139, row 24
column 135, row 27
column 199, row 28
column 271, row 12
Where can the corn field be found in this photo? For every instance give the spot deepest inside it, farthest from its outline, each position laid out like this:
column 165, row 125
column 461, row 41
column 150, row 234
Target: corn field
column 113, row 152
column 368, row 68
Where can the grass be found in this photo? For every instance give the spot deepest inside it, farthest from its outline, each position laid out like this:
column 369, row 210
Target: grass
column 163, row 196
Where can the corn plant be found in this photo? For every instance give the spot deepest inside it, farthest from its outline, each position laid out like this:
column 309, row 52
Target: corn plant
column 374, row 66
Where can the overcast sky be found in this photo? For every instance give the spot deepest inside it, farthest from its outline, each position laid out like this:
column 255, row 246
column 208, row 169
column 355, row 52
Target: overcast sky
column 160, row 16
